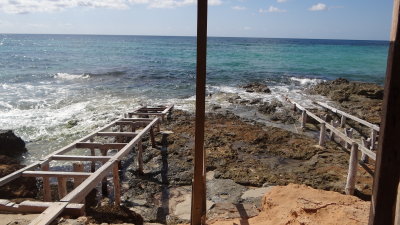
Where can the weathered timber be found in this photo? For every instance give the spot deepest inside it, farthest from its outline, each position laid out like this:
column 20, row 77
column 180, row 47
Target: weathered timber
column 100, row 145
column 57, row 174
column 51, row 213
column 46, row 184
column 117, row 187
column 117, row 134
column 78, row 167
column 351, row 175
column 80, row 158
column 322, row 135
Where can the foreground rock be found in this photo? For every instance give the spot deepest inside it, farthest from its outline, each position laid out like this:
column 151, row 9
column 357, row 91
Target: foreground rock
column 299, row 204
column 10, row 144
column 363, row 100
column 257, row 87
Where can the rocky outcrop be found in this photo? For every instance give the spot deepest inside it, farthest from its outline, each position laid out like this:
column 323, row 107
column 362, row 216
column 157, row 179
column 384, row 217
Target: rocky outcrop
column 299, row 204
column 10, row 144
column 257, row 87
column 363, row 100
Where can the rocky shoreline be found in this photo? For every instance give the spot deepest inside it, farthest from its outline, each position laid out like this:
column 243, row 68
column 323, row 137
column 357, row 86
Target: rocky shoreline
column 245, row 158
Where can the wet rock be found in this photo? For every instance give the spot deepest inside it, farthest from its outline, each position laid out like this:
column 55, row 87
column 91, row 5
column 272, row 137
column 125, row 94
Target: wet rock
column 269, row 107
column 363, row 100
column 113, row 214
column 257, row 87
column 256, row 101
column 234, row 99
column 71, row 123
column 224, row 190
column 10, row 144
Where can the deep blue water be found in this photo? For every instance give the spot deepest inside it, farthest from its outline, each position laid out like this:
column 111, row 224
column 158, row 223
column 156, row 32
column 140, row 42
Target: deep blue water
column 47, row 80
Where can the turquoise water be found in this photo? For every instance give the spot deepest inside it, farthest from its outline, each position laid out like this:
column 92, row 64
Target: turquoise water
column 48, row 80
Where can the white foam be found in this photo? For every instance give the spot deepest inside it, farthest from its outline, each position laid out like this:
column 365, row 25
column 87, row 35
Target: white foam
column 67, row 76
column 306, row 81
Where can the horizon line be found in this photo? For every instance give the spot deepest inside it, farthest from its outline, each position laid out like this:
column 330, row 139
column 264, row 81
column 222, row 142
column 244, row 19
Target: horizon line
column 211, row 36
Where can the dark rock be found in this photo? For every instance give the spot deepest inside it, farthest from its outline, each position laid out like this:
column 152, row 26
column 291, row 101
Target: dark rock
column 256, row 101
column 257, row 87
column 10, row 144
column 72, row 123
column 269, row 107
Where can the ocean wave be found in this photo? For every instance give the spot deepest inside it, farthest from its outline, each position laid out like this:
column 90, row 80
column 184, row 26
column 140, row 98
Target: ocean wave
column 306, row 81
column 67, row 76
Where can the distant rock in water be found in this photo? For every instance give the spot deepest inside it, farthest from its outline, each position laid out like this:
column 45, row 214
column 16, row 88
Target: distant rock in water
column 257, row 87
column 10, row 144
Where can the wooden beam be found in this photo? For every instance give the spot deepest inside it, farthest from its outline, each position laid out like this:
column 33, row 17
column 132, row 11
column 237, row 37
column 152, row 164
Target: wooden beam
column 117, row 134
column 12, row 176
column 81, row 158
column 346, row 115
column 100, row 145
column 46, row 184
column 387, row 165
column 61, row 174
column 49, row 214
column 39, row 207
column 198, row 213
column 352, row 173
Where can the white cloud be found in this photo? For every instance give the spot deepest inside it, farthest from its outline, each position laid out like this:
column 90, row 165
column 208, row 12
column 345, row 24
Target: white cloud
column 31, row 6
column 272, row 9
column 238, row 8
column 281, row 1
column 318, row 7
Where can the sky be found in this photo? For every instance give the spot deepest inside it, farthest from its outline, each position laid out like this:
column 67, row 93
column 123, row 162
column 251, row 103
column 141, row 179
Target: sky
column 326, row 19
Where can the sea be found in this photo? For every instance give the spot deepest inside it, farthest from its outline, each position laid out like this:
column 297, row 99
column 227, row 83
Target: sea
column 57, row 88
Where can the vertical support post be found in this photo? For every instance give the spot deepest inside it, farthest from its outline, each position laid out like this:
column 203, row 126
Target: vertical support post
column 117, row 185
column 294, row 107
column 332, row 134
column 78, row 167
column 140, row 157
column 325, row 117
column 104, row 189
column 153, row 140
column 46, row 184
column 364, row 157
column 303, row 119
column 322, row 134
column 62, row 187
column 198, row 213
column 342, row 121
column 92, row 153
column 373, row 139
column 397, row 216
column 349, row 133
column 351, row 176
column 387, row 164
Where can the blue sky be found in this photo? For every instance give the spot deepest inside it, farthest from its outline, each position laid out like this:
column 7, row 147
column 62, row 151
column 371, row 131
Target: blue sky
column 334, row 19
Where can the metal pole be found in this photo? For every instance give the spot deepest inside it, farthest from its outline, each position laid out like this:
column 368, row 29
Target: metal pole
column 198, row 214
column 387, row 166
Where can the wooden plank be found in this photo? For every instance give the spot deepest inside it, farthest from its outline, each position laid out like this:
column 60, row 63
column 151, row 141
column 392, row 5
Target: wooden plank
column 12, row 176
column 39, row 207
column 79, row 193
column 137, row 119
column 140, row 157
column 366, row 123
column 81, row 158
column 100, row 145
column 117, row 185
column 78, row 167
column 50, row 214
column 117, row 134
column 145, row 114
column 351, row 175
column 198, row 213
column 61, row 174
column 387, row 165
column 46, row 184
column 303, row 119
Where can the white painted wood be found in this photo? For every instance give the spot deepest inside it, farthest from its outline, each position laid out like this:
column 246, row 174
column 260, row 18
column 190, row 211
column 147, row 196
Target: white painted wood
column 322, row 135
column 351, row 176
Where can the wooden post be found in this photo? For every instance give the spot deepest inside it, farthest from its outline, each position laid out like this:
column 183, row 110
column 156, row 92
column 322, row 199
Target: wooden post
column 78, row 167
column 92, row 153
column 294, row 107
column 322, row 135
column 351, row 176
column 397, row 216
column 104, row 189
column 373, row 139
column 46, row 184
column 349, row 133
column 325, row 117
column 387, row 165
column 332, row 134
column 153, row 140
column 117, row 187
column 62, row 187
column 140, row 157
column 364, row 157
column 343, row 121
column 198, row 213
column 303, row 119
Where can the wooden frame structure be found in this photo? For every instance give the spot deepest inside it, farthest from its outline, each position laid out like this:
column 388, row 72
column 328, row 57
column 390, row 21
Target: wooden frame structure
column 346, row 137
column 84, row 182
